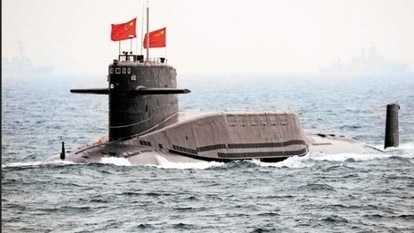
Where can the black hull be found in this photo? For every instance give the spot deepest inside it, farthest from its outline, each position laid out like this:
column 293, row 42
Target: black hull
column 132, row 113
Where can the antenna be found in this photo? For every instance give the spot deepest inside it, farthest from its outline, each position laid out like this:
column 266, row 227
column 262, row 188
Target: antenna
column 142, row 27
column 119, row 47
column 130, row 41
column 147, row 30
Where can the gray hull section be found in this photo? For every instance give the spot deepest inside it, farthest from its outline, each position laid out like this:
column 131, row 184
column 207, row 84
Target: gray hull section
column 223, row 137
column 213, row 137
column 333, row 144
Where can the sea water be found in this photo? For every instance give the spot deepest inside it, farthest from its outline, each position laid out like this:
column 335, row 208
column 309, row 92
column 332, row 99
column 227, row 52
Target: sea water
column 314, row 193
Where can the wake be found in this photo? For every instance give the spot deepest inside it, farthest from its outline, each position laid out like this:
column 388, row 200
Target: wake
column 405, row 150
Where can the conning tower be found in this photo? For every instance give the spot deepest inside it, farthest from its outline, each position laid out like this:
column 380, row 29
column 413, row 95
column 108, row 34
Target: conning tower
column 141, row 95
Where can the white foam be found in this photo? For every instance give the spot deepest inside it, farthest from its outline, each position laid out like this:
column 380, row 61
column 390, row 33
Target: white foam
column 404, row 147
column 164, row 163
column 311, row 159
column 22, row 164
column 291, row 162
column 346, row 156
column 116, row 161
column 409, row 146
column 36, row 163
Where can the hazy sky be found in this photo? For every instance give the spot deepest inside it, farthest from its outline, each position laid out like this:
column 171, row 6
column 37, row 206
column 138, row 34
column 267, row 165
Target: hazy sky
column 212, row 36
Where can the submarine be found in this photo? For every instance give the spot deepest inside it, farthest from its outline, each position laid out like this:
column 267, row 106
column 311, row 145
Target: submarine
column 146, row 126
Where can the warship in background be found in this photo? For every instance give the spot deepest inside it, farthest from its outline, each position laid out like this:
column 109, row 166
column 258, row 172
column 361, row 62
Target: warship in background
column 146, row 127
column 21, row 65
column 367, row 63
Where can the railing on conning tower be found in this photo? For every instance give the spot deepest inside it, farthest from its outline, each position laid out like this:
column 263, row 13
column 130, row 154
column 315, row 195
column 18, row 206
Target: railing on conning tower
column 156, row 60
column 129, row 57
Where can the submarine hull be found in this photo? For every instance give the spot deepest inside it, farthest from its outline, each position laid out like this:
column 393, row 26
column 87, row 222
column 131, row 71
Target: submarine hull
column 222, row 137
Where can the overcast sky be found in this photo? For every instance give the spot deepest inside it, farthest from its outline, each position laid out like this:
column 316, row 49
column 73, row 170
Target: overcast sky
column 214, row 36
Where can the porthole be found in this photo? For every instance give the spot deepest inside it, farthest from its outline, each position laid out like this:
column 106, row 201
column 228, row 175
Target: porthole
column 124, row 70
column 112, row 86
column 117, row 70
column 133, row 77
column 129, row 70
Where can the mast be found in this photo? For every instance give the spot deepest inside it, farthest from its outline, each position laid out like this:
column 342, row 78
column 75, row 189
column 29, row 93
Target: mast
column 147, row 31
column 142, row 28
column 130, row 43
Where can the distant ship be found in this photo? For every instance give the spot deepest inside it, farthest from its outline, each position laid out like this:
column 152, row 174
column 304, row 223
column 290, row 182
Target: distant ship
column 22, row 66
column 368, row 62
column 146, row 127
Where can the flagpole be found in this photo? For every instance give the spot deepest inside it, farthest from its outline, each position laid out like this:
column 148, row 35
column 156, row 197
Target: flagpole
column 166, row 52
column 119, row 47
column 142, row 26
column 130, row 41
column 147, row 30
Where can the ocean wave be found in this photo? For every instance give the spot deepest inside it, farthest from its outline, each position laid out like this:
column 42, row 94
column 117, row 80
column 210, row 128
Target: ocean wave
column 164, row 163
column 404, row 151
column 408, row 147
column 116, row 161
column 291, row 162
column 32, row 164
column 313, row 159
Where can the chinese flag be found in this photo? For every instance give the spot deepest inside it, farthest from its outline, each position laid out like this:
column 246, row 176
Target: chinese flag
column 124, row 31
column 156, row 38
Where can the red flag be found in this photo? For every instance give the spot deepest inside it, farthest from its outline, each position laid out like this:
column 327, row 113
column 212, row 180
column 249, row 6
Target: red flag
column 124, row 31
column 156, row 38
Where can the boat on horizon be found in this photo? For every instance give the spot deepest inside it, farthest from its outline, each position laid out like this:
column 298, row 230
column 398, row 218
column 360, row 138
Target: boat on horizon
column 368, row 62
column 21, row 65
